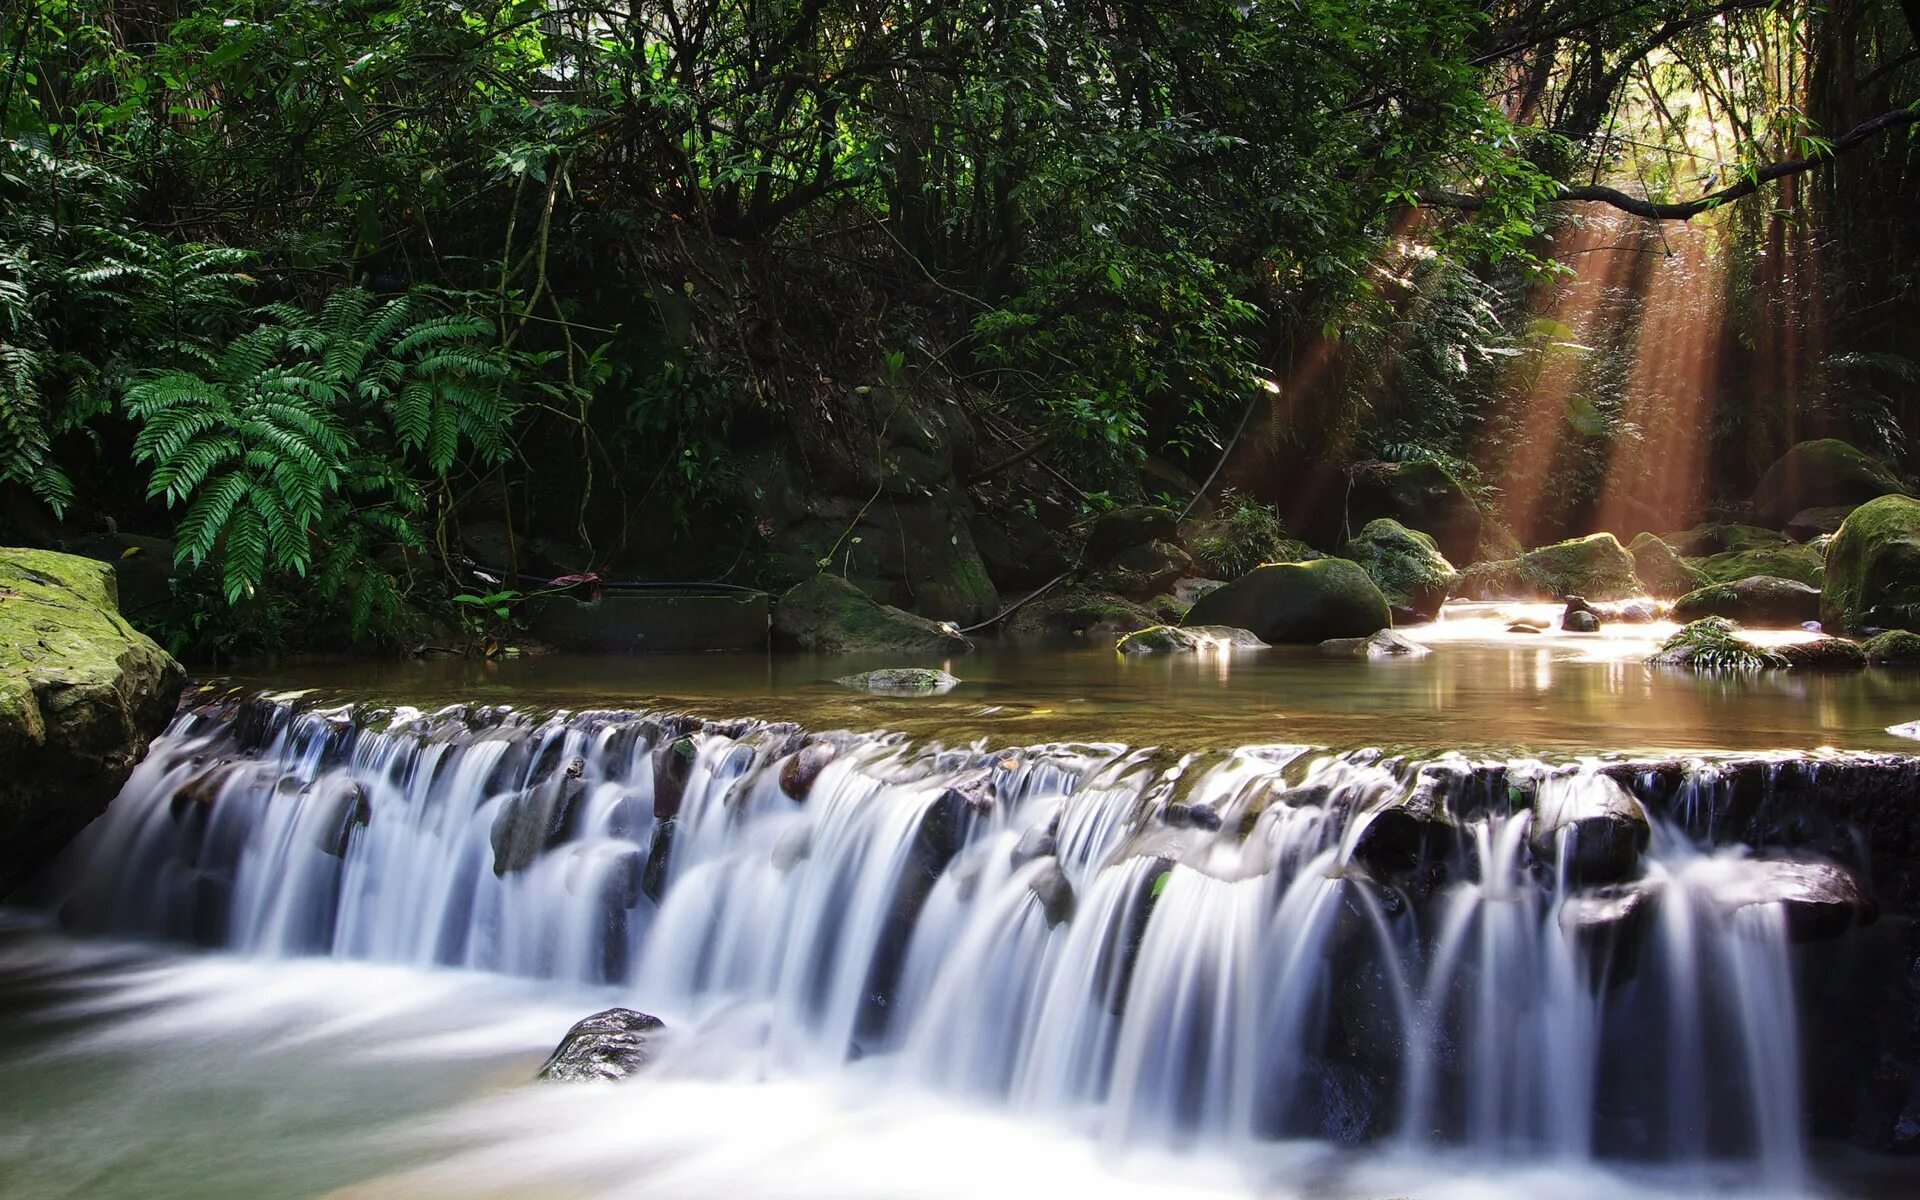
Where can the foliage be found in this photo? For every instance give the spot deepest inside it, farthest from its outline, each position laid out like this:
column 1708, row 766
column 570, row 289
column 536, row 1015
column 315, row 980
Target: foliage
column 1245, row 534
column 1714, row 644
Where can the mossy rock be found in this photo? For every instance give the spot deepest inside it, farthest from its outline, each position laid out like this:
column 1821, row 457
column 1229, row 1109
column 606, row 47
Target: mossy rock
column 1713, row 644
column 1596, row 567
column 1894, row 648
column 1419, row 495
column 1406, row 565
column 1297, row 602
column 1800, row 563
column 830, row 615
column 1077, row 613
column 1703, row 541
column 81, row 694
column 1823, row 654
column 1143, row 571
column 913, row 681
column 1661, row 570
column 1873, row 568
column 1817, row 474
column 1169, row 608
column 1762, row 600
column 1192, row 639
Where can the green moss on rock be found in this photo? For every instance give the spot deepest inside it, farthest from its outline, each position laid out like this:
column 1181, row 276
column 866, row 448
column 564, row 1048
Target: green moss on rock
column 1597, row 567
column 1661, row 570
column 1169, row 639
column 1406, row 565
column 1823, row 654
column 1761, row 600
column 1078, row 612
column 81, row 693
column 828, row 614
column 1873, row 568
column 1817, row 474
column 1704, row 540
column 1800, row 563
column 1305, row 602
column 1894, row 648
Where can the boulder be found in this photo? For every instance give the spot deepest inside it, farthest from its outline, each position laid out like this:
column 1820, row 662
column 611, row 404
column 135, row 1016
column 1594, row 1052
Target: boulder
column 913, row 681
column 81, row 695
column 1762, row 600
column 1190, row 639
column 1704, row 540
column 1873, row 568
column 1661, row 570
column 1143, row 571
column 1810, row 524
column 605, row 1046
column 828, row 614
column 1713, row 644
column 1596, row 566
column 1017, row 549
column 1818, row 474
column 1406, row 565
column 803, row 767
column 1384, row 644
column 1591, row 825
column 1894, row 648
column 1125, row 528
column 1297, row 602
column 1580, row 620
column 1076, row 613
column 1823, row 654
column 1802, row 563
column 1821, row 900
column 1418, row 495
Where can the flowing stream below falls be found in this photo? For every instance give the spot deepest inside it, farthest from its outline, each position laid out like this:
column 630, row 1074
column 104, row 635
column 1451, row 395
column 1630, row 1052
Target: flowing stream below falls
column 893, row 968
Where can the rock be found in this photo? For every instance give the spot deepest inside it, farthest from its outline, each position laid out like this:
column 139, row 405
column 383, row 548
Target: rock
column 1596, row 566
column 1037, row 842
column 1054, row 892
column 651, row 622
column 1810, row 524
column 1761, row 600
column 1704, row 540
column 1406, row 566
column 1800, row 563
column 1189, row 591
column 1821, row 900
column 1078, row 612
column 1628, row 612
column 1297, row 602
column 1823, row 654
column 1169, row 609
column 1523, row 627
column 828, row 614
column 536, row 819
column 1125, row 528
column 605, row 1046
column 81, row 695
column 1818, row 474
column 1190, row 639
column 1894, row 648
column 672, row 769
column 916, row 681
column 1713, row 644
column 1873, row 568
column 1418, row 495
column 1592, row 825
column 803, row 767
column 1142, row 571
column 1384, row 644
column 1019, row 551
column 1580, row 620
column 1660, row 569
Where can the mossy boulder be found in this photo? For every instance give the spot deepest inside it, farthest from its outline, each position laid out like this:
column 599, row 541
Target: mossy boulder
column 1418, row 495
column 1816, row 474
column 81, row 695
column 1305, row 602
column 1597, row 567
column 1801, row 563
column 1762, row 600
column 1713, row 644
column 1078, row 612
column 1193, row 639
column 1406, row 565
column 1661, row 570
column 1704, row 540
column 1384, row 644
column 828, row 614
column 1823, row 654
column 1894, row 648
column 1873, row 568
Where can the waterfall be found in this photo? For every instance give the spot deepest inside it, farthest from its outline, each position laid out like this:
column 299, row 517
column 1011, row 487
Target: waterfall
column 1526, row 960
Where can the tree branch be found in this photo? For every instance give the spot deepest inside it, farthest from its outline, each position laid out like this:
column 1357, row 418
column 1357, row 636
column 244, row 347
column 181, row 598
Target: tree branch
column 1686, row 210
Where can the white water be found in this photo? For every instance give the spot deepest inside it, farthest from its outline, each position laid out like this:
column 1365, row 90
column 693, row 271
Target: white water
column 862, row 980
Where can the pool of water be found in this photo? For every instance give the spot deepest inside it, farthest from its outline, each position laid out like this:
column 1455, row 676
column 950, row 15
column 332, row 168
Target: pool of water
column 1481, row 690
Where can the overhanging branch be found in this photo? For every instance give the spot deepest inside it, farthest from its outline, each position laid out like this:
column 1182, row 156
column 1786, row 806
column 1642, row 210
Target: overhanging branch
column 1686, row 210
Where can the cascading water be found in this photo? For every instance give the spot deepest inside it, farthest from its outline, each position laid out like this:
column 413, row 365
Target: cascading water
column 1280, row 943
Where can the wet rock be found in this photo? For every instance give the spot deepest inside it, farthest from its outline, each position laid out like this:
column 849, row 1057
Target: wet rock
column 1037, row 842
column 1126, row 528
column 81, row 695
column 1594, row 827
column 803, row 767
column 1054, row 892
column 1823, row 654
column 1761, row 600
column 535, row 819
column 1629, row 612
column 1386, row 643
column 1818, row 474
column 1873, row 568
column 605, row 1046
column 672, row 768
column 1821, row 900
column 1610, row 924
column 1713, row 644
column 913, row 681
column 1297, row 602
column 830, row 615
column 1660, row 569
column 1189, row 639
column 339, row 807
column 1406, row 565
column 794, row 847
column 1524, row 627
column 1580, row 620
column 1191, row 816
column 1894, row 648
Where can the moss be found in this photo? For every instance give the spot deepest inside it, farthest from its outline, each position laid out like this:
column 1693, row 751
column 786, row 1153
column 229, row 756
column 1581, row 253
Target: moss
column 1873, row 568
column 1406, row 565
column 1894, row 648
column 1798, row 563
column 1077, row 611
column 1597, row 567
column 1297, row 602
column 1170, row 609
column 917, row 681
column 1661, row 570
column 826, row 613
column 1823, row 654
column 1765, row 600
column 1713, row 644
column 1814, row 474
column 1704, row 540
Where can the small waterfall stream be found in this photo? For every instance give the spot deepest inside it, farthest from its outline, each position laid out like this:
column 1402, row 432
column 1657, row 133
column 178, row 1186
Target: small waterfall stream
column 1275, row 943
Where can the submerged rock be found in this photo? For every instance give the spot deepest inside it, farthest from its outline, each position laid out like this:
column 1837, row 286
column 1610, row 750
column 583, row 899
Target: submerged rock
column 1873, row 568
column 1054, row 892
column 1387, row 643
column 1189, row 639
column 1762, row 600
column 832, row 616
column 81, row 695
column 912, row 681
column 1297, row 602
column 1817, row 474
column 607, row 1045
column 1406, row 565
